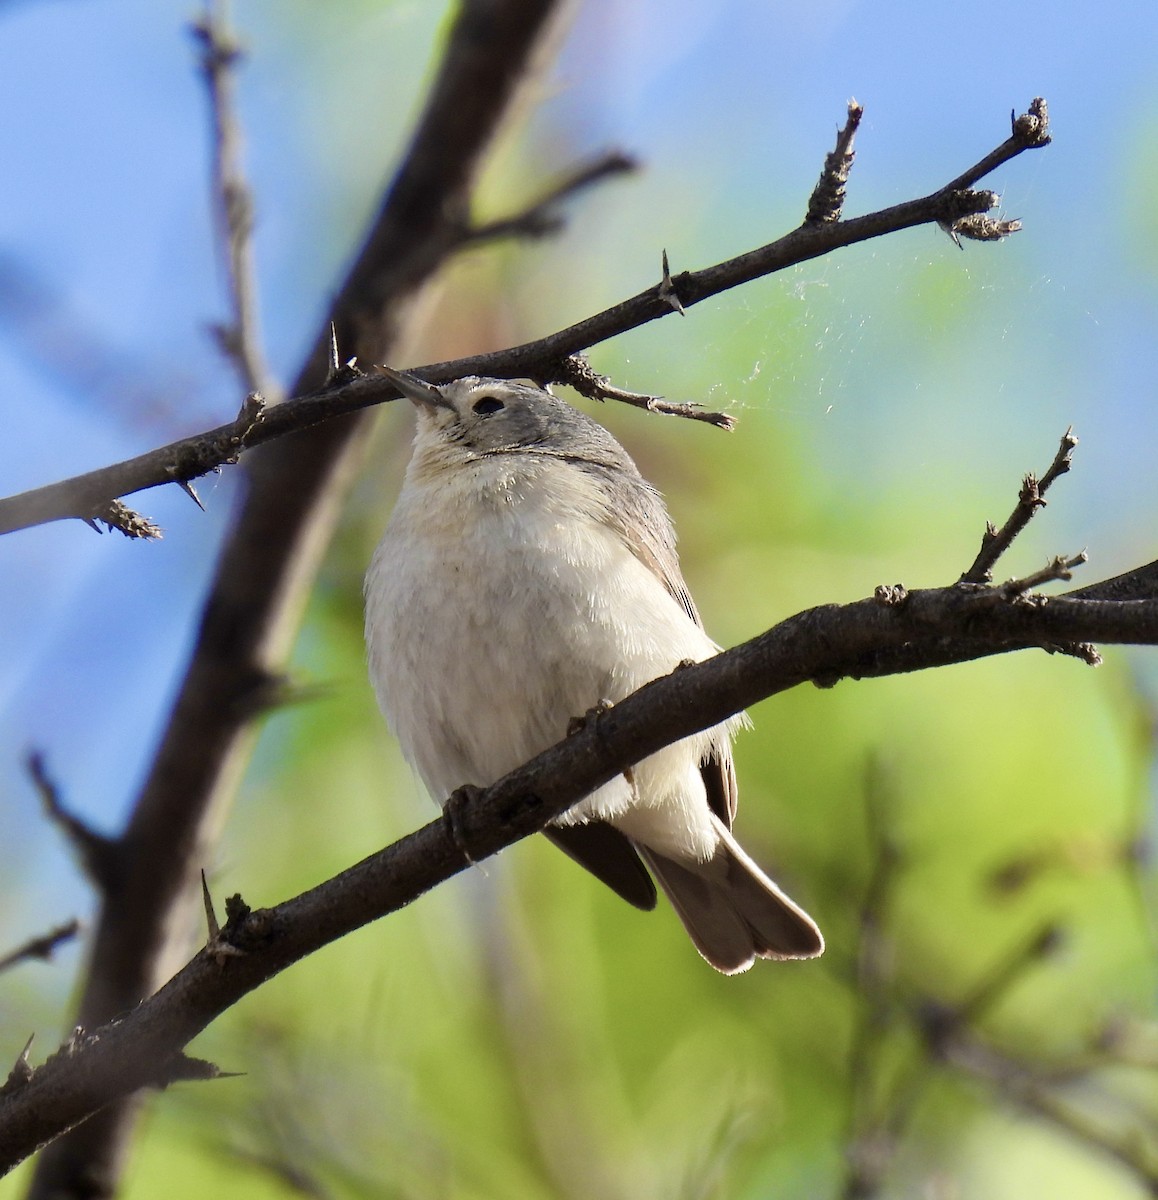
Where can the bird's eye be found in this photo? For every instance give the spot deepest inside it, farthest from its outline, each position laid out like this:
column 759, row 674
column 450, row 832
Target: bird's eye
column 485, row 405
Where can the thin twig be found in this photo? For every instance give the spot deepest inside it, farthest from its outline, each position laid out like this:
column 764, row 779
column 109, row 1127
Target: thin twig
column 1029, row 131
column 42, row 947
column 827, row 200
column 233, row 207
column 995, row 542
column 940, row 1021
column 99, row 855
column 1058, row 568
column 590, row 383
column 1020, row 1084
column 543, row 216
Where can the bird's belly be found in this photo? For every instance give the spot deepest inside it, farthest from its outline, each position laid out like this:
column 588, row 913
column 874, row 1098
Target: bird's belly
column 483, row 653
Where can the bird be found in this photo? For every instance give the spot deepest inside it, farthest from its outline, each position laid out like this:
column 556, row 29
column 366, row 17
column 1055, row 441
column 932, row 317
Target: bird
column 527, row 575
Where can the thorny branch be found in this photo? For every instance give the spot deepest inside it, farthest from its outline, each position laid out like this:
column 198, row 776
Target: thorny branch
column 1025, row 1085
column 822, row 645
column 819, row 644
column 547, row 360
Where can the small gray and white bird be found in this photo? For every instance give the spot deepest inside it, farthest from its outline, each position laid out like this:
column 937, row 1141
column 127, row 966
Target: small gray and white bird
column 529, row 573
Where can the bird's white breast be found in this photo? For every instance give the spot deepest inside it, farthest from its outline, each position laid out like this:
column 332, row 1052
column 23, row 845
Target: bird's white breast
column 498, row 608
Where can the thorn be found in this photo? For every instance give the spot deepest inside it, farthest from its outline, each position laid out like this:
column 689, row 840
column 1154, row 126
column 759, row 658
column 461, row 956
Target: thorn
column 187, row 488
column 119, row 516
column 210, row 915
column 947, row 227
column 335, row 362
column 667, row 292
column 21, row 1071
column 215, row 944
column 183, row 1068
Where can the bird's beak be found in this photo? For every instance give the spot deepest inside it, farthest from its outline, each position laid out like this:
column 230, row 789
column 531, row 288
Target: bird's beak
column 415, row 389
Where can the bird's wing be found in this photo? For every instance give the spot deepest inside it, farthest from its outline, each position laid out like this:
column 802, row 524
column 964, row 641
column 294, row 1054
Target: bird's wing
column 641, row 519
column 610, row 856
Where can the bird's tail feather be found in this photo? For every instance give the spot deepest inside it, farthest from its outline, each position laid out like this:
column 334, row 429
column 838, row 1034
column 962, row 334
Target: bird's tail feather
column 732, row 911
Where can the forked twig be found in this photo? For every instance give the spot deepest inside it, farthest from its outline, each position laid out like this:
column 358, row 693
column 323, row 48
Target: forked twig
column 994, row 541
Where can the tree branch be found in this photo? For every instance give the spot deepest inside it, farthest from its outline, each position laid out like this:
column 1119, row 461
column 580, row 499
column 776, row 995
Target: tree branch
column 995, row 542
column 241, row 338
column 543, row 217
column 290, row 504
column 547, row 359
column 820, row 644
column 43, row 946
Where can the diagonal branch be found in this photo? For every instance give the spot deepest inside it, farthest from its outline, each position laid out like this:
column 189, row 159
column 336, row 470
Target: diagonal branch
column 544, row 216
column 241, row 339
column 995, row 542
column 547, row 359
column 818, row 644
column 291, row 501
column 1021, row 1085
column 43, row 946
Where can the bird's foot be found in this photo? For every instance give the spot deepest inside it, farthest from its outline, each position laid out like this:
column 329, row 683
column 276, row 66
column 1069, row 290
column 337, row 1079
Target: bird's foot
column 454, row 814
column 578, row 724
